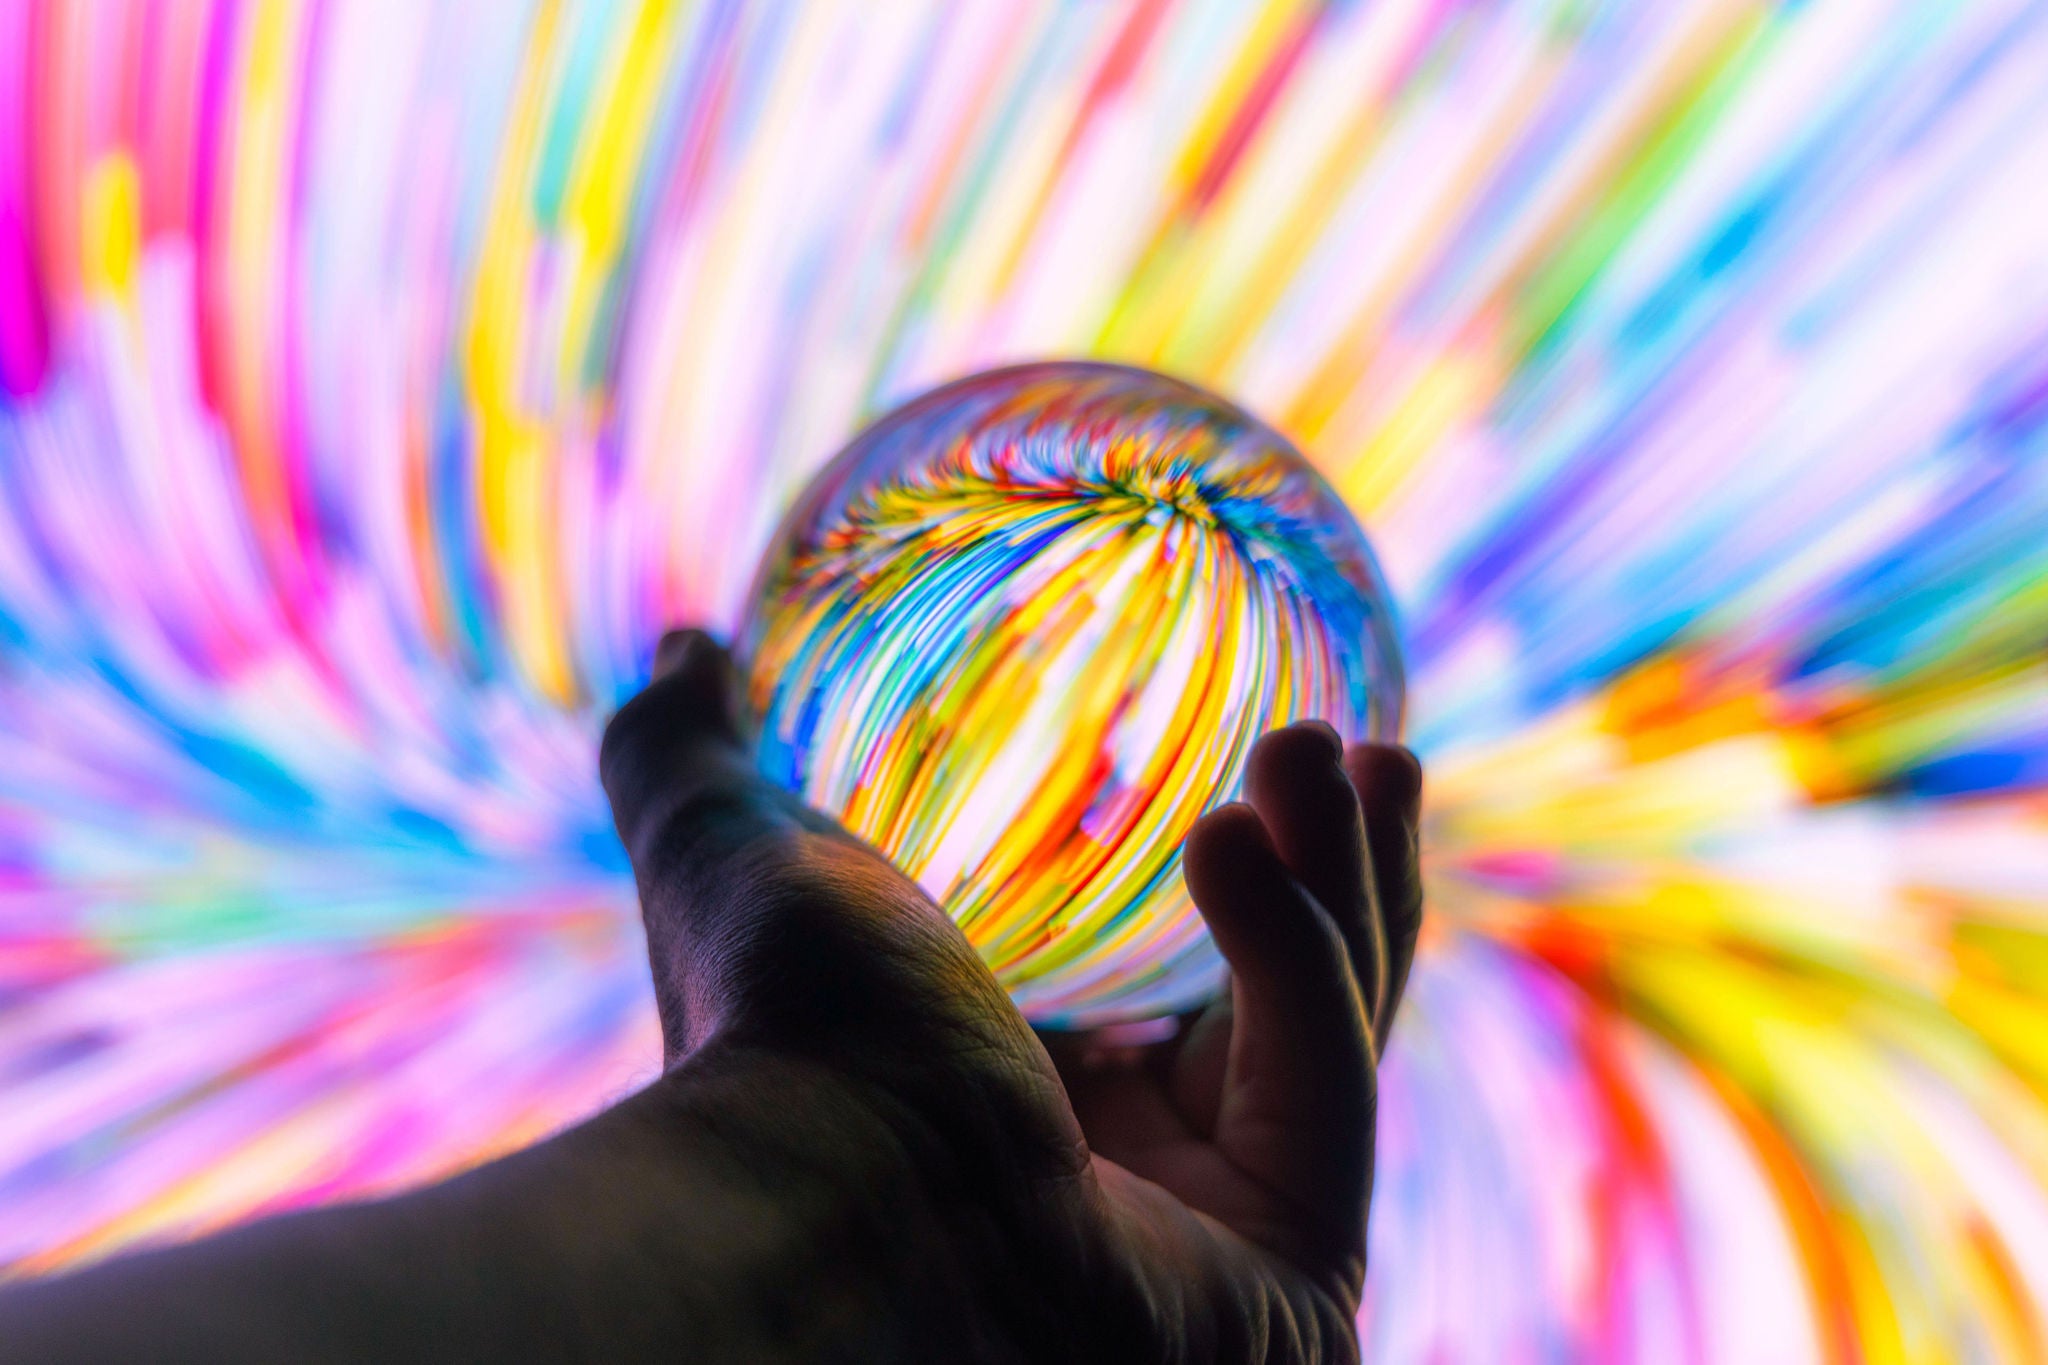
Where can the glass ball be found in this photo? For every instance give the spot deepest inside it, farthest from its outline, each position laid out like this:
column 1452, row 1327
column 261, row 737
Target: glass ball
column 1024, row 631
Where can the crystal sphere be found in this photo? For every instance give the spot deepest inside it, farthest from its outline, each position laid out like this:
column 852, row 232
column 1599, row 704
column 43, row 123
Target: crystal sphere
column 1024, row 630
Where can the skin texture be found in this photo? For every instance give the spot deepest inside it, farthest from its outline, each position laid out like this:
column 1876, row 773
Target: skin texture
column 859, row 1150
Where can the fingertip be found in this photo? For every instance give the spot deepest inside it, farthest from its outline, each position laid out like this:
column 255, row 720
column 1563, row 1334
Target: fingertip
column 1261, row 919
column 691, row 699
column 1220, row 841
column 1326, row 730
column 1386, row 776
column 676, row 646
column 1291, row 769
column 1305, row 745
column 697, row 672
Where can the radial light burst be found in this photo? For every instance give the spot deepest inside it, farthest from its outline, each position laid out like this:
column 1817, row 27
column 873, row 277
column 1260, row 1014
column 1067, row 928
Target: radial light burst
column 380, row 377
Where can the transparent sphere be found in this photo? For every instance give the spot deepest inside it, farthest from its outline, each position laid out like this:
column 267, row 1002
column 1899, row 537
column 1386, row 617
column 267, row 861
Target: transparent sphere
column 1024, row 630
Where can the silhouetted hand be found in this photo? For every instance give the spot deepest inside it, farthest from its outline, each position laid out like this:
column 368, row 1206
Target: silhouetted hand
column 858, row 1150
column 1199, row 1199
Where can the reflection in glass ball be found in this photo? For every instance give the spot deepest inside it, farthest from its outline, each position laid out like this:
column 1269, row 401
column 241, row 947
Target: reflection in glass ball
column 1024, row 630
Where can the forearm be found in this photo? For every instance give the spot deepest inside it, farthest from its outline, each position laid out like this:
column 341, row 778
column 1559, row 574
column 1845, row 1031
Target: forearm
column 697, row 1220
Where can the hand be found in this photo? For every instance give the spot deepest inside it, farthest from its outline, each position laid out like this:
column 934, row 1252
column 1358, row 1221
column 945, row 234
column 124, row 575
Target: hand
column 1203, row 1199
column 1259, row 1112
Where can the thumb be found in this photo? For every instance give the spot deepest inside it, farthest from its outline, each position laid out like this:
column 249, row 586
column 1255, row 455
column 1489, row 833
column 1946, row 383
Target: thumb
column 697, row 820
column 676, row 767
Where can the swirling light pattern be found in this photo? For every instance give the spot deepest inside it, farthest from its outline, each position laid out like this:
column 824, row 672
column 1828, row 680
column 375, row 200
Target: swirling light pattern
column 380, row 377
column 1025, row 629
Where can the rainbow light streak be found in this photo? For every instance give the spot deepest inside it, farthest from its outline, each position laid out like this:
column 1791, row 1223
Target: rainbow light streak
column 1025, row 630
column 381, row 377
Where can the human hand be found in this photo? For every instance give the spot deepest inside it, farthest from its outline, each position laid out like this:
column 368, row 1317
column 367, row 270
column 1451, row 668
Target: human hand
column 1202, row 1199
column 1259, row 1112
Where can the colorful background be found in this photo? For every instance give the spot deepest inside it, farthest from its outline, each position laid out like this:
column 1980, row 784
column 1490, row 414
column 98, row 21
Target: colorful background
column 380, row 377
